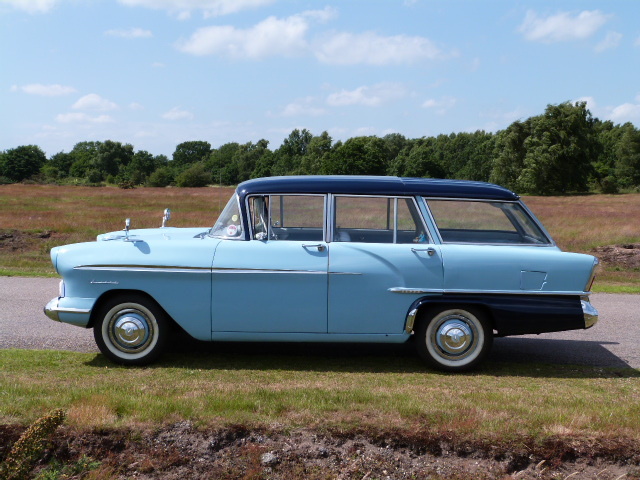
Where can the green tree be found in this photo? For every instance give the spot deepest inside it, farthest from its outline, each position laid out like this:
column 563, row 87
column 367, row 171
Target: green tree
column 141, row 166
column 22, row 162
column 418, row 160
column 394, row 143
column 247, row 157
column 194, row 176
column 288, row 157
column 357, row 156
column 627, row 164
column 559, row 150
column 511, row 153
column 112, row 157
column 161, row 177
column 191, row 152
column 85, row 157
column 318, row 152
column 58, row 166
column 548, row 154
column 219, row 159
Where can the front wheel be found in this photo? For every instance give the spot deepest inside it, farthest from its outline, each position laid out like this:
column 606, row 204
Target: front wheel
column 131, row 330
column 453, row 339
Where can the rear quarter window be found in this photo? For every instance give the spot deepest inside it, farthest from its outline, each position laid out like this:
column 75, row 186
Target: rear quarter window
column 485, row 222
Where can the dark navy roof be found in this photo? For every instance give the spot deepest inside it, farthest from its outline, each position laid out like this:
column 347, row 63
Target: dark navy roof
column 368, row 185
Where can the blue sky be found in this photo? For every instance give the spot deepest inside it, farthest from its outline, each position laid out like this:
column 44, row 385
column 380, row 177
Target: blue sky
column 155, row 73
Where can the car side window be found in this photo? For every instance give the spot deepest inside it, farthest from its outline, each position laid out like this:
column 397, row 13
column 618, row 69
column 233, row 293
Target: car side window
column 377, row 220
column 485, row 222
column 288, row 217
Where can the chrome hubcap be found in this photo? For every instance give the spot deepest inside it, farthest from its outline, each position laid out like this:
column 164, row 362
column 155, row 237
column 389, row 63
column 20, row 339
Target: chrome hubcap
column 455, row 337
column 130, row 331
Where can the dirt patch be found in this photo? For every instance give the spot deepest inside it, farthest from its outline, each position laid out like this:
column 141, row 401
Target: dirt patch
column 181, row 451
column 625, row 256
column 19, row 241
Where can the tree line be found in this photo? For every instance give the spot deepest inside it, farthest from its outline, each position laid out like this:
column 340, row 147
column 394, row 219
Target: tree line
column 564, row 150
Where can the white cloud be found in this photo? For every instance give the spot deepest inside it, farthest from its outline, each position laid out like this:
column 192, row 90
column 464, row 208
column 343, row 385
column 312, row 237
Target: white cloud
column 612, row 40
column 369, row 96
column 442, row 105
column 44, row 90
column 94, row 102
column 627, row 112
column 270, row 37
column 32, row 6
column 129, row 33
column 637, row 42
column 176, row 113
column 590, row 101
column 209, row 8
column 79, row 117
column 372, row 49
column 136, row 106
column 562, row 26
column 303, row 107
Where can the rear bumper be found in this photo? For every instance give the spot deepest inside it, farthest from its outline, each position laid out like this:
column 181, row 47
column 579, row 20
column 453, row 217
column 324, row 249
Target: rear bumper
column 590, row 313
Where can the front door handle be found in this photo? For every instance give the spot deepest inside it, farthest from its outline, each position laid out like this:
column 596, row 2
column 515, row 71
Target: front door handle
column 430, row 251
column 319, row 246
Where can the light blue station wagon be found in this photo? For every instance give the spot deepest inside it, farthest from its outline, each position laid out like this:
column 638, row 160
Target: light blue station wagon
column 446, row 264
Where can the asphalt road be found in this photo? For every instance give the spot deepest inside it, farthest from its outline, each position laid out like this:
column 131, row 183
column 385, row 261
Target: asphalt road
column 613, row 342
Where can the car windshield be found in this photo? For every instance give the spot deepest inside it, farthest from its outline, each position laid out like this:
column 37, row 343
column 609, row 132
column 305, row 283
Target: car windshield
column 462, row 221
column 229, row 224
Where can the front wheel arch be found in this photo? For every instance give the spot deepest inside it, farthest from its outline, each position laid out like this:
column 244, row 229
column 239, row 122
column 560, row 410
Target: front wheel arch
column 107, row 296
column 130, row 328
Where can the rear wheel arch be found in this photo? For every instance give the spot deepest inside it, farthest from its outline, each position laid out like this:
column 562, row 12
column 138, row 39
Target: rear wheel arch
column 424, row 305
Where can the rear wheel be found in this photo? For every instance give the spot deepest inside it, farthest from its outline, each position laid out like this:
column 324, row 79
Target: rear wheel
column 453, row 339
column 131, row 329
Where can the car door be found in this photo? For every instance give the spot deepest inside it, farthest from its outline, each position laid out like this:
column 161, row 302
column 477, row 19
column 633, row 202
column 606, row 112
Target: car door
column 381, row 260
column 277, row 281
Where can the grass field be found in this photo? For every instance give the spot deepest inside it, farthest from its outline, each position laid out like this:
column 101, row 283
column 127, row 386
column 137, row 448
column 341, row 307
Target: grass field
column 313, row 387
column 34, row 218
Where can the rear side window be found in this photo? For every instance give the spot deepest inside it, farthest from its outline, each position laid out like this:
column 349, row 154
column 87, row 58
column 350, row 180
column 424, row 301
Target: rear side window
column 465, row 221
column 377, row 220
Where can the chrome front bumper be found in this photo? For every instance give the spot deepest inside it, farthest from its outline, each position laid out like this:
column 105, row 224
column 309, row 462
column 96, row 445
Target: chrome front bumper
column 51, row 309
column 76, row 311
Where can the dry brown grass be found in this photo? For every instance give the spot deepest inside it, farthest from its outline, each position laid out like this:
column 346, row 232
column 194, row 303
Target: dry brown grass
column 581, row 223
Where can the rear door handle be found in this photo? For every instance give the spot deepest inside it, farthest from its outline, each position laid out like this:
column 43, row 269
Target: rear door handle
column 430, row 251
column 319, row 246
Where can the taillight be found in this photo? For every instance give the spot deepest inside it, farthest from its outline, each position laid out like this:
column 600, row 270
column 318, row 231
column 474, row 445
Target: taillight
column 593, row 275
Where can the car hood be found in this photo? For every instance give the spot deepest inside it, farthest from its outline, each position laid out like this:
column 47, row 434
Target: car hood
column 148, row 234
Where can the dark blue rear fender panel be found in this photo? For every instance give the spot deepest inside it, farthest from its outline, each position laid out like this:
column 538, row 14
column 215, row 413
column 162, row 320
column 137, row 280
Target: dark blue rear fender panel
column 520, row 314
